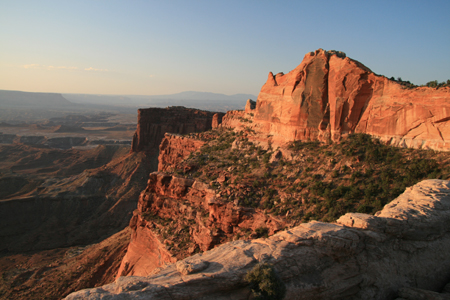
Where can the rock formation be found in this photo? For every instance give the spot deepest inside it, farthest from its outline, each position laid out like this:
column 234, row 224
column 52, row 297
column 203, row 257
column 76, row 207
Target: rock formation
column 175, row 148
column 217, row 120
column 329, row 95
column 359, row 257
column 154, row 122
column 176, row 217
column 250, row 106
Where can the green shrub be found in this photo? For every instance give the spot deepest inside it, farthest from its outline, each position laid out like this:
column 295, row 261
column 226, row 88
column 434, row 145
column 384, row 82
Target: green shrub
column 433, row 83
column 148, row 215
column 262, row 232
column 265, row 283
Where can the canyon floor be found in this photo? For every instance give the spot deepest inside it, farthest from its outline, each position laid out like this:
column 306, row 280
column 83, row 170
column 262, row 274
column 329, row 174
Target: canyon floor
column 55, row 273
column 48, row 250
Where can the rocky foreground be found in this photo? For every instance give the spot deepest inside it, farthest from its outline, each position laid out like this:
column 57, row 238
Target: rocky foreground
column 360, row 256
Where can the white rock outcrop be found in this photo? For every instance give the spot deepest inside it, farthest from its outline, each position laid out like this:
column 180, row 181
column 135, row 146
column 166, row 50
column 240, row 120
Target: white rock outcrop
column 406, row 245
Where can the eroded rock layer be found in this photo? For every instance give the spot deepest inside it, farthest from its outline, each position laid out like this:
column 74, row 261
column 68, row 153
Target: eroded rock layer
column 329, row 95
column 154, row 122
column 177, row 217
column 359, row 257
column 175, row 148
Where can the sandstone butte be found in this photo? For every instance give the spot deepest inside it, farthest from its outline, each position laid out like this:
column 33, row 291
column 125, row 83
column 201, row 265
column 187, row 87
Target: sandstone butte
column 403, row 247
column 330, row 95
column 153, row 123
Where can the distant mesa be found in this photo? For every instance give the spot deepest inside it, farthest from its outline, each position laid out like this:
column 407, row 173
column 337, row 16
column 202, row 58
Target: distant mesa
column 66, row 128
column 6, row 138
column 99, row 124
column 120, row 128
column 36, row 127
column 4, row 124
column 28, row 99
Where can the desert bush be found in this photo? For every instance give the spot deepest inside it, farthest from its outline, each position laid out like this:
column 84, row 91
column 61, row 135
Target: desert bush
column 262, row 231
column 148, row 215
column 433, row 83
column 335, row 174
column 265, row 283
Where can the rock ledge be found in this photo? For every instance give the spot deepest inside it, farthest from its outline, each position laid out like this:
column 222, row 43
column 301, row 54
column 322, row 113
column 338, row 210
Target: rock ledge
column 359, row 257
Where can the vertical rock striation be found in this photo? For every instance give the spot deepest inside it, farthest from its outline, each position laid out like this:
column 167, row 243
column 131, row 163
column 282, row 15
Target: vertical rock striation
column 174, row 148
column 153, row 123
column 330, row 95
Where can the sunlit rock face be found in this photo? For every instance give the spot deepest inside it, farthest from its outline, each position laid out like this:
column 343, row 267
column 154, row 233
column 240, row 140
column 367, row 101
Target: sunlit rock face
column 174, row 148
column 200, row 221
column 330, row 95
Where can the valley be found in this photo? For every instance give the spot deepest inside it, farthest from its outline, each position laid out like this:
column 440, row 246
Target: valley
column 65, row 205
column 332, row 169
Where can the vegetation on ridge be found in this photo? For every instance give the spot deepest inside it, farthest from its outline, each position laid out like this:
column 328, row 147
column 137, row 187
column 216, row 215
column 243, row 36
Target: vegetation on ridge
column 433, row 83
column 318, row 182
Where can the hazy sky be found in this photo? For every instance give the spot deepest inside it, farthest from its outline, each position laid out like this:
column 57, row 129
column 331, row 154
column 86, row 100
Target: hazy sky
column 164, row 47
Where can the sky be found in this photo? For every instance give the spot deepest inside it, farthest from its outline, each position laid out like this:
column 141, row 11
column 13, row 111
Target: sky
column 159, row 47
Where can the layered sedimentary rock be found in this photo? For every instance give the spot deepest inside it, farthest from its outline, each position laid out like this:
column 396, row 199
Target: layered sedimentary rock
column 153, row 123
column 359, row 257
column 217, row 120
column 329, row 95
column 177, row 217
column 174, row 148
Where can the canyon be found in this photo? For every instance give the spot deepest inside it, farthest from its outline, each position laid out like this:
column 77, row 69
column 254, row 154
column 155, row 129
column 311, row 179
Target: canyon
column 53, row 198
column 211, row 195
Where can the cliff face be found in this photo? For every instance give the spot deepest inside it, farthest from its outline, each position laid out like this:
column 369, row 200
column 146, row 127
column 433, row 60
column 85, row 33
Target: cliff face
column 329, row 95
column 153, row 123
column 359, row 257
column 175, row 148
column 177, row 217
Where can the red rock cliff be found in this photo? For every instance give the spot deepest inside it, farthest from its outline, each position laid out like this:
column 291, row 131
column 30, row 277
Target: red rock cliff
column 329, row 95
column 175, row 148
column 177, row 217
column 153, row 123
